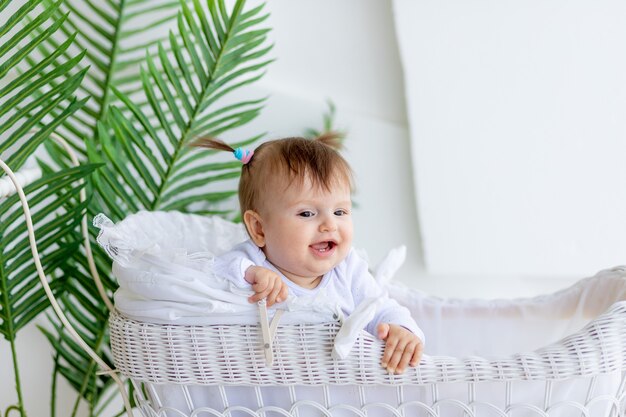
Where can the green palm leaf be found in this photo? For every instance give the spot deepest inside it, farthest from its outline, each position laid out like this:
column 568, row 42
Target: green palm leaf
column 146, row 164
column 56, row 211
column 87, row 314
column 31, row 88
column 21, row 296
column 114, row 36
column 142, row 143
column 84, row 308
column 48, row 86
column 215, row 52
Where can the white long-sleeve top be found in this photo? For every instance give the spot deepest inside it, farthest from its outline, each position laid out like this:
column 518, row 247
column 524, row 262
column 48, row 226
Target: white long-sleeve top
column 349, row 282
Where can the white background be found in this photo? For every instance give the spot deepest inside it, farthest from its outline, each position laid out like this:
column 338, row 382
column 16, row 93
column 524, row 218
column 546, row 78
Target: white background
column 347, row 51
column 517, row 119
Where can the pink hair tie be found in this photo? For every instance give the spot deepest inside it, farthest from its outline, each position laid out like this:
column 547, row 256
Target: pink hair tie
column 244, row 155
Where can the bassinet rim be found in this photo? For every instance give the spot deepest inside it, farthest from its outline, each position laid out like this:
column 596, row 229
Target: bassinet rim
column 597, row 349
column 577, row 285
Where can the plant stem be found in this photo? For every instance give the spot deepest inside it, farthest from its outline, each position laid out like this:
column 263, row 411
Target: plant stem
column 108, row 81
column 121, row 413
column 90, row 370
column 11, row 408
column 53, row 390
column 11, row 337
column 77, row 402
column 18, row 386
column 196, row 112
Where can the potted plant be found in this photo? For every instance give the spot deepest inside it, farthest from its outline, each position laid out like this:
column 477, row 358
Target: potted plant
column 128, row 96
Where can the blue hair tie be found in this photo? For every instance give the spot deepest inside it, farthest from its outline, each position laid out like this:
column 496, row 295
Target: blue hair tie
column 244, row 155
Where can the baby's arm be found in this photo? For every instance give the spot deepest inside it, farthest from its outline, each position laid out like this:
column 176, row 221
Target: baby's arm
column 266, row 284
column 240, row 266
column 402, row 347
column 404, row 340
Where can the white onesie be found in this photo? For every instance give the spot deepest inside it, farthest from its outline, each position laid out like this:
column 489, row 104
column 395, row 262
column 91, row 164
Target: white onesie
column 349, row 282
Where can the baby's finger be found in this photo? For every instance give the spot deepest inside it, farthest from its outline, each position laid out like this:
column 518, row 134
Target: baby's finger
column 258, row 296
column 383, row 331
column 261, row 285
column 284, row 293
column 273, row 295
column 417, row 354
column 395, row 359
column 390, row 347
column 406, row 357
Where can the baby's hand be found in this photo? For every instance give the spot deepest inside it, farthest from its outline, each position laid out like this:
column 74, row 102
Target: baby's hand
column 402, row 347
column 266, row 284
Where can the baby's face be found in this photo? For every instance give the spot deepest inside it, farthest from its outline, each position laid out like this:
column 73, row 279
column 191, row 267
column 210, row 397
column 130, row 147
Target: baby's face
column 308, row 230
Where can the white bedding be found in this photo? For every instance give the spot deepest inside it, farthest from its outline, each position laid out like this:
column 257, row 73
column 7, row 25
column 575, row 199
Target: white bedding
column 162, row 262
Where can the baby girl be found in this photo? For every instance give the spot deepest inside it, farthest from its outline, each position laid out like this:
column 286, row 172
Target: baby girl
column 295, row 198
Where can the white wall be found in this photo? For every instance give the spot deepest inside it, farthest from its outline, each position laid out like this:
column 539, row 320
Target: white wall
column 517, row 116
column 346, row 51
column 355, row 61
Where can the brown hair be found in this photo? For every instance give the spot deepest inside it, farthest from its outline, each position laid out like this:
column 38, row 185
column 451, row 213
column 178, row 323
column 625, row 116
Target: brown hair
column 296, row 158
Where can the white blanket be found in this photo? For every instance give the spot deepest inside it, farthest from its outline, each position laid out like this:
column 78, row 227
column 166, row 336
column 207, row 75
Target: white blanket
column 162, row 262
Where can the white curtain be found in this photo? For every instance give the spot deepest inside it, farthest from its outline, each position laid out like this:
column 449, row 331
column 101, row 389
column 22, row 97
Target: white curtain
column 517, row 113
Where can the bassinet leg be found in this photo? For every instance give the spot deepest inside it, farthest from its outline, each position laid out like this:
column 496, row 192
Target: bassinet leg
column 434, row 389
column 362, row 396
column 400, row 395
column 259, row 396
column 471, row 396
column 326, row 396
column 223, row 396
column 508, row 395
column 620, row 395
column 188, row 399
column 591, row 390
column 547, row 396
column 153, row 398
column 292, row 398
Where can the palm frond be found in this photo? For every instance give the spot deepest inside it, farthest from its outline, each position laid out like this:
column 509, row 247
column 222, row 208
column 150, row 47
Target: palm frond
column 114, row 37
column 141, row 137
column 48, row 86
column 328, row 124
column 72, row 363
column 31, row 88
column 21, row 296
column 216, row 51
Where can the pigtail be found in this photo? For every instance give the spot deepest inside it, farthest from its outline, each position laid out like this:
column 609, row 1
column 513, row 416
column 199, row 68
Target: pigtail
column 331, row 139
column 244, row 155
column 212, row 143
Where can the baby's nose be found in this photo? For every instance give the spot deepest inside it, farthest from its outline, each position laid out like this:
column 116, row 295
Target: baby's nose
column 328, row 225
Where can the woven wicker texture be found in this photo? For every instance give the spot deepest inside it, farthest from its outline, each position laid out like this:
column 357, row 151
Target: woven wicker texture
column 219, row 370
column 233, row 355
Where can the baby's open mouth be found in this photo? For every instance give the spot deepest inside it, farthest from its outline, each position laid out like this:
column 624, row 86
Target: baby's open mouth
column 324, row 246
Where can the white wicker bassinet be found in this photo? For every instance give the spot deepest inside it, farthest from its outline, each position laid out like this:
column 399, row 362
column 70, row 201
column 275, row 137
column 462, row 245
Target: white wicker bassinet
column 555, row 355
column 220, row 371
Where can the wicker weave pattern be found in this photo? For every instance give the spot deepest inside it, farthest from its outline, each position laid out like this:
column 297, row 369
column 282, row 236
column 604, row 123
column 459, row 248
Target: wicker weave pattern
column 232, row 355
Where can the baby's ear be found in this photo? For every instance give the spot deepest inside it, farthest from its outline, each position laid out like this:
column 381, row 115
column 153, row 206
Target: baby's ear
column 254, row 224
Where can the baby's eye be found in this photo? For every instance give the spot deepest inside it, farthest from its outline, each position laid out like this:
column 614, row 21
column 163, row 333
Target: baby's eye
column 306, row 214
column 341, row 212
